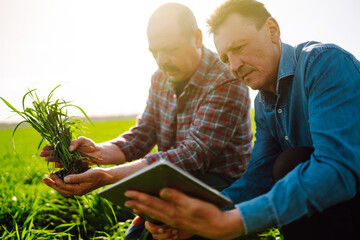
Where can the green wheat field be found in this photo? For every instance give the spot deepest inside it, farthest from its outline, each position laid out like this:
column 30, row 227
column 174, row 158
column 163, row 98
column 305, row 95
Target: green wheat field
column 31, row 210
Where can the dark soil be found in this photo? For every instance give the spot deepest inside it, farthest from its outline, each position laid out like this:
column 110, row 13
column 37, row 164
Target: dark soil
column 75, row 167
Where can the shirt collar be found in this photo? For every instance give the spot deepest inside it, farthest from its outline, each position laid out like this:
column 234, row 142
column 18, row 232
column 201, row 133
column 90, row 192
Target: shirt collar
column 287, row 61
column 198, row 78
column 287, row 68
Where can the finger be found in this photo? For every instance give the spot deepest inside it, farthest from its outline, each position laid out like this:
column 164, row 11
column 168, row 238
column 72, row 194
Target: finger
column 174, row 196
column 149, row 205
column 58, row 165
column 52, row 160
column 63, row 185
column 165, row 236
column 51, row 183
column 48, row 156
column 184, row 201
column 76, row 143
column 82, row 144
column 138, row 221
column 160, row 231
column 76, row 178
column 47, row 148
column 46, row 153
column 154, row 228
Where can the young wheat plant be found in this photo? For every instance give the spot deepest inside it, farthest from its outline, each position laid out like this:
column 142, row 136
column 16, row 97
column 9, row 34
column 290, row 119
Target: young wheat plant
column 51, row 120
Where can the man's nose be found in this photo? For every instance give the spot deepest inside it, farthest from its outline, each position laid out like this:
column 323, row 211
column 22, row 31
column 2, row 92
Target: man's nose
column 162, row 59
column 234, row 64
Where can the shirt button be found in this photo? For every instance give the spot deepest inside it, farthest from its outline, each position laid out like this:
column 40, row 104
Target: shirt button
column 279, row 110
column 286, row 138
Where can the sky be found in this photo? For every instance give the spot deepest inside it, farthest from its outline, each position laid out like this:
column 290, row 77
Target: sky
column 98, row 51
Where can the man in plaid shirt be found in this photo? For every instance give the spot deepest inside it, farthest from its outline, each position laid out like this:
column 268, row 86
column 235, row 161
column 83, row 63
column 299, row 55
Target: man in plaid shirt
column 197, row 114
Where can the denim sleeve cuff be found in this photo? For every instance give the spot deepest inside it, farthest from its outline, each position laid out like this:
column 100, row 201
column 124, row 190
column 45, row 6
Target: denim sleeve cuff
column 257, row 214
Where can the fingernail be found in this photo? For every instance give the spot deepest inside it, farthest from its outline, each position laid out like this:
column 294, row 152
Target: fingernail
column 71, row 148
column 165, row 193
column 66, row 179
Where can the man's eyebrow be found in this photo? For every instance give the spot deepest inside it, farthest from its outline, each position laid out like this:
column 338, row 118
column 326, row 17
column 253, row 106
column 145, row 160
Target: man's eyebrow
column 163, row 48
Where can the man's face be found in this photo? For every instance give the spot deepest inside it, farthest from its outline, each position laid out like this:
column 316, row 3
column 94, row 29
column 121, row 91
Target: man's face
column 252, row 55
column 177, row 56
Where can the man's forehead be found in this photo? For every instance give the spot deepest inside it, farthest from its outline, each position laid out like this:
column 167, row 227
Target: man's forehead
column 162, row 35
column 234, row 30
column 162, row 28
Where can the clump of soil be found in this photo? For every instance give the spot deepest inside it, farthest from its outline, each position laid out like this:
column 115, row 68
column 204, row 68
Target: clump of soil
column 75, row 167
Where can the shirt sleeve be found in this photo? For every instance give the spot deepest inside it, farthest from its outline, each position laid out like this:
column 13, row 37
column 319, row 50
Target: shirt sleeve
column 219, row 115
column 332, row 82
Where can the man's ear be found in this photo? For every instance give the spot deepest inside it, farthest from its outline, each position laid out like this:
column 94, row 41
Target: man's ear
column 198, row 38
column 274, row 29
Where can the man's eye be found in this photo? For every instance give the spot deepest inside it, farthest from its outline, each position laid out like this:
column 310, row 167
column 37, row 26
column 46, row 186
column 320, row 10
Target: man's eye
column 238, row 48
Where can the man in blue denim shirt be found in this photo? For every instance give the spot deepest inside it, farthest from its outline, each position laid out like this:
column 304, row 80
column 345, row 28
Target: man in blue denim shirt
column 309, row 98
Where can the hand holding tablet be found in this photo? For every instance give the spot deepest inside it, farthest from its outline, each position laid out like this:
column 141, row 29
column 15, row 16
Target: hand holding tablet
column 157, row 176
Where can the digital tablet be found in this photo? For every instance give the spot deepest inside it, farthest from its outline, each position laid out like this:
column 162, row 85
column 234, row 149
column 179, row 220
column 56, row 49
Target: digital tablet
column 157, row 176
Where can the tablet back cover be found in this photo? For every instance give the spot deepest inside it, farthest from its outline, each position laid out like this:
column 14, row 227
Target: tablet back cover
column 159, row 175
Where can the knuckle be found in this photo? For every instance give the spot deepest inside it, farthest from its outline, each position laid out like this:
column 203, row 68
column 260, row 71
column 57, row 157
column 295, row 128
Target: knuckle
column 196, row 209
column 173, row 213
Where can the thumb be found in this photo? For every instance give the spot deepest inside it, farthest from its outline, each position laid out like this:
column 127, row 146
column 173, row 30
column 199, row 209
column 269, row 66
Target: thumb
column 74, row 178
column 75, row 144
column 194, row 205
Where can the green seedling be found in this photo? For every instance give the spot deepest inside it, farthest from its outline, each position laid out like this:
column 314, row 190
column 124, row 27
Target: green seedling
column 52, row 121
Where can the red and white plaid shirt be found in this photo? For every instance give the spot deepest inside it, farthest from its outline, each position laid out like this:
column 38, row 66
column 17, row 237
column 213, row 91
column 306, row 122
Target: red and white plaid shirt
column 206, row 130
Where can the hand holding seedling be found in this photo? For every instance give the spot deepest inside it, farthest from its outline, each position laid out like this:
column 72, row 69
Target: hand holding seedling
column 56, row 127
column 105, row 153
column 79, row 184
column 101, row 153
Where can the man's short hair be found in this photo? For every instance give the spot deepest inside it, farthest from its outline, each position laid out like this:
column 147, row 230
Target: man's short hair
column 250, row 9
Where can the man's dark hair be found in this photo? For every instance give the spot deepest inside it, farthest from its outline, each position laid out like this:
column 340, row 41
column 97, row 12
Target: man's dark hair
column 250, row 9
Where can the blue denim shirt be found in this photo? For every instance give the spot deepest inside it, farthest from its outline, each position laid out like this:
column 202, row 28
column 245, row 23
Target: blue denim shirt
column 317, row 105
